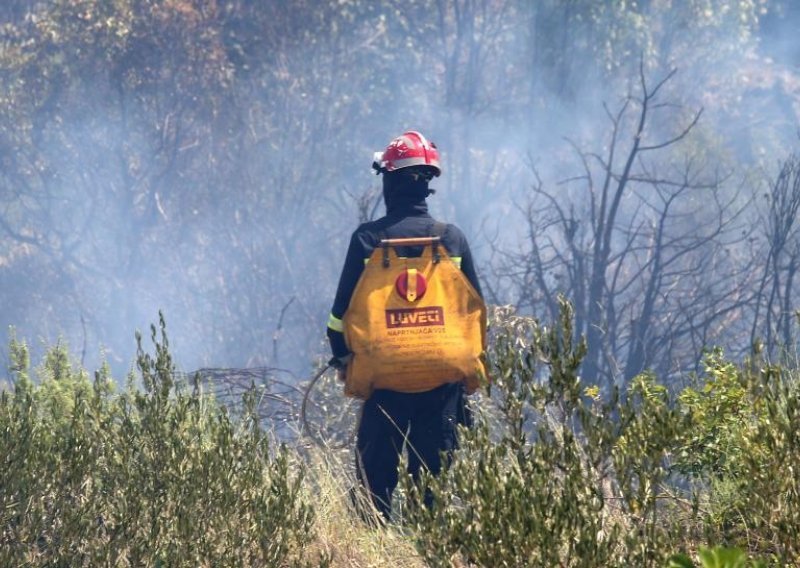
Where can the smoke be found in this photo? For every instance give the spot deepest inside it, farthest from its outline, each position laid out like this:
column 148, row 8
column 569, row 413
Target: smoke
column 218, row 181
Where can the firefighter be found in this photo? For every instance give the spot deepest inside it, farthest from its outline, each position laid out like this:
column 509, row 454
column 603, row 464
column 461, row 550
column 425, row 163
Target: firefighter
column 423, row 422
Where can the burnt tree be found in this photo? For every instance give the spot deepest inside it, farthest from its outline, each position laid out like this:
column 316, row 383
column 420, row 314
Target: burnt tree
column 639, row 240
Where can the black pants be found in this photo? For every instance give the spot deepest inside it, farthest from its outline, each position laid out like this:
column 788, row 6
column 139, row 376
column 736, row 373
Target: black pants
column 424, row 422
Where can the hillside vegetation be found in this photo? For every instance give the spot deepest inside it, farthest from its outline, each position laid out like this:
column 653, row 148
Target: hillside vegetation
column 555, row 472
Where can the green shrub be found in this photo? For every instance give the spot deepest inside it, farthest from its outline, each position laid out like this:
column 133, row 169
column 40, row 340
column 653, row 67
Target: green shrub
column 159, row 476
column 724, row 408
column 555, row 475
column 718, row 557
column 767, row 516
column 743, row 450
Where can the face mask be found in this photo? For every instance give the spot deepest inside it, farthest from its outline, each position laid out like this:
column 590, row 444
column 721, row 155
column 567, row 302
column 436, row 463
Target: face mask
column 405, row 187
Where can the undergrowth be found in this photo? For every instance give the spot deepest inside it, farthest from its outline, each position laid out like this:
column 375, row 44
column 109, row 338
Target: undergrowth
column 151, row 476
column 554, row 472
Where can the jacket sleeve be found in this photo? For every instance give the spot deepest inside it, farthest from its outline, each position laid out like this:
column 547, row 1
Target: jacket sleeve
column 468, row 268
column 351, row 272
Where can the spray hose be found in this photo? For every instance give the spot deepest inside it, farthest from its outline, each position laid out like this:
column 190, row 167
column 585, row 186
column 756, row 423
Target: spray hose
column 304, row 427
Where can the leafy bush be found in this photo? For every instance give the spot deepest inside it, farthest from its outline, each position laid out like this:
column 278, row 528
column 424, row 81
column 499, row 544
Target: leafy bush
column 554, row 474
column 159, row 476
column 766, row 516
column 718, row 557
column 724, row 409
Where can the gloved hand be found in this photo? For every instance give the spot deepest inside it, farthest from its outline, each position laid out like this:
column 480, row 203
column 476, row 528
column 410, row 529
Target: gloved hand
column 340, row 364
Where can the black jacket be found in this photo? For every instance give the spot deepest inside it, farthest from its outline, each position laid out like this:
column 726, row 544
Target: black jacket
column 404, row 221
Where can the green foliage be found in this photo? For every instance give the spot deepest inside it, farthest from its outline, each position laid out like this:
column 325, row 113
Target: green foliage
column 717, row 557
column 742, row 449
column 160, row 476
column 768, row 484
column 724, row 410
column 553, row 474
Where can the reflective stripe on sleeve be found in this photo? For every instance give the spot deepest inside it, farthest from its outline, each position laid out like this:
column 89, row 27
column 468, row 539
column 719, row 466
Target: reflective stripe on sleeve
column 335, row 323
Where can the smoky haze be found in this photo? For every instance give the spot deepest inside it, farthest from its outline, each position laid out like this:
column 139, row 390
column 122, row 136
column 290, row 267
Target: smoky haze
column 210, row 160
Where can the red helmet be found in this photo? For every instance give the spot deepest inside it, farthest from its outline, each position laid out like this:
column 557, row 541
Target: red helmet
column 410, row 149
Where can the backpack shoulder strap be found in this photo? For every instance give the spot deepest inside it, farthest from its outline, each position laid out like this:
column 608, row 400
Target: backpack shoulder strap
column 438, row 229
column 382, row 236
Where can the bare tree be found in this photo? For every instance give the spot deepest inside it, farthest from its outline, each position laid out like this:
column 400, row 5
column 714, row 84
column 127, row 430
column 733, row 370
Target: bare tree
column 638, row 241
column 776, row 298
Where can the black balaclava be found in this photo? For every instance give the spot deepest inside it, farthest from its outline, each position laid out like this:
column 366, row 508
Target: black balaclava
column 403, row 192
